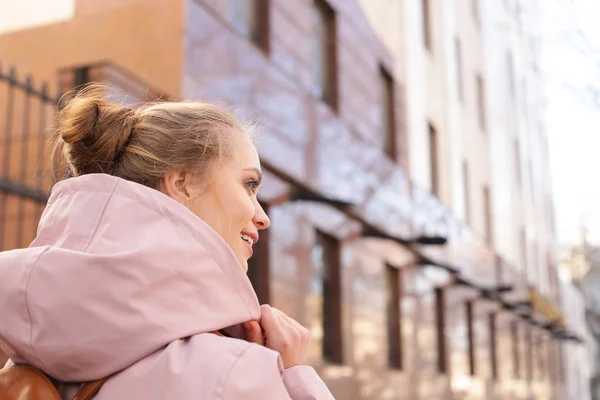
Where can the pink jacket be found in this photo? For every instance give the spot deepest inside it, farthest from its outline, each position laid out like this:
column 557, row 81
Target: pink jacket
column 123, row 280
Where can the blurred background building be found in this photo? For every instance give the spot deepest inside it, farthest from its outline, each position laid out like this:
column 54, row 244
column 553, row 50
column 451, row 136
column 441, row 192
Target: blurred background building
column 580, row 263
column 406, row 172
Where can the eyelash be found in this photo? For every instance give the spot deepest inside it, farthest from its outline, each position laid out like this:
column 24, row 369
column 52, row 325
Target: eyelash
column 252, row 184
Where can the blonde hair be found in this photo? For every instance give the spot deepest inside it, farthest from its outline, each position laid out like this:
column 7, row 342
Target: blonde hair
column 94, row 135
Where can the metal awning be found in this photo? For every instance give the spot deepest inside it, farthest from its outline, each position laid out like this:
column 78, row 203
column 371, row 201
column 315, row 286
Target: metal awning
column 300, row 192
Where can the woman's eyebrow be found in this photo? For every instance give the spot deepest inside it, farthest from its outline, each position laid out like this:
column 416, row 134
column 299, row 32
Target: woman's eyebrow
column 256, row 170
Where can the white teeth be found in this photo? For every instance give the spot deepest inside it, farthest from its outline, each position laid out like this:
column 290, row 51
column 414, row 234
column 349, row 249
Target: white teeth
column 247, row 239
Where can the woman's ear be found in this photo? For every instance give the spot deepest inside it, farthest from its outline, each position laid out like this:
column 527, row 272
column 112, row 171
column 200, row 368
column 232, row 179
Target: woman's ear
column 175, row 186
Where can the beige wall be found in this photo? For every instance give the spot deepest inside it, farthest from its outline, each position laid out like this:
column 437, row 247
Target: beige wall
column 519, row 117
column 504, row 130
column 579, row 360
column 432, row 94
column 472, row 140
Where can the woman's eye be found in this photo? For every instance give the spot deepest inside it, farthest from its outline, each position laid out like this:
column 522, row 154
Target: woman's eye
column 253, row 185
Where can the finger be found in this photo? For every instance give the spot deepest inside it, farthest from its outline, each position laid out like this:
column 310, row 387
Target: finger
column 294, row 331
column 294, row 326
column 289, row 320
column 254, row 332
column 284, row 320
column 270, row 320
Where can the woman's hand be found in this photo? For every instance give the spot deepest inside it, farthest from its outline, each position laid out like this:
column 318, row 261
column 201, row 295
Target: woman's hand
column 282, row 334
column 254, row 332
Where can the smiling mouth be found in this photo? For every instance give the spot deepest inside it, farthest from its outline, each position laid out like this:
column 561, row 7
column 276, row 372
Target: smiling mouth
column 247, row 239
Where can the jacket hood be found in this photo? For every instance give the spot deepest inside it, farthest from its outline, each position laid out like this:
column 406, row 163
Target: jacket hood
column 116, row 272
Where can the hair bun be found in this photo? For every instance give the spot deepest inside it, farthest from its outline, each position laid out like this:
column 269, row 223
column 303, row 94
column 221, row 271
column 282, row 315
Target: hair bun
column 94, row 131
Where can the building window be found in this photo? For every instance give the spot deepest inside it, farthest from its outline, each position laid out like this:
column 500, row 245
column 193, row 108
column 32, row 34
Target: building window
column 560, row 367
column 440, row 320
column 328, row 260
column 487, row 204
column 510, row 71
column 466, row 194
column 531, row 184
column 535, row 272
column 493, row 346
column 426, row 24
column 475, row 10
column 81, row 76
column 433, row 160
column 481, row 102
column 71, row 81
column 516, row 360
column 552, row 276
column 394, row 319
column 518, row 172
column 325, row 59
column 499, row 271
column 251, row 18
column 523, row 250
column 388, row 120
column 530, row 354
column 259, row 265
column 471, row 337
column 542, row 356
column 459, row 67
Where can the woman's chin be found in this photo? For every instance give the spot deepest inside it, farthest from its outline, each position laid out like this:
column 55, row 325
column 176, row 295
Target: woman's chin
column 244, row 264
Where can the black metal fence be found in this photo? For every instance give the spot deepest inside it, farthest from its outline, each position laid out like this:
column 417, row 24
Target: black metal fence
column 26, row 115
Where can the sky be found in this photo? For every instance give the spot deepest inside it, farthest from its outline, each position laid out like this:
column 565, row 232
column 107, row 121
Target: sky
column 16, row 14
column 572, row 118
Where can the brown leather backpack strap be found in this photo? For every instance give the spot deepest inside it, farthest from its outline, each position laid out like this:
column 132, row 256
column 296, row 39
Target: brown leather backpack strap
column 26, row 382
column 89, row 389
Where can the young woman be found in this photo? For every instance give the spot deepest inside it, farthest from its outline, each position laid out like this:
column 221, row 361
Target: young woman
column 138, row 270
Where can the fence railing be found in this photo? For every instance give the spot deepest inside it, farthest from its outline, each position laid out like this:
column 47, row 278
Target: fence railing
column 26, row 116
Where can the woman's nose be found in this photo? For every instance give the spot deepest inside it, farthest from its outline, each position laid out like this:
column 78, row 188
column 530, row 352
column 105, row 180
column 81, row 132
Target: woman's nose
column 261, row 220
